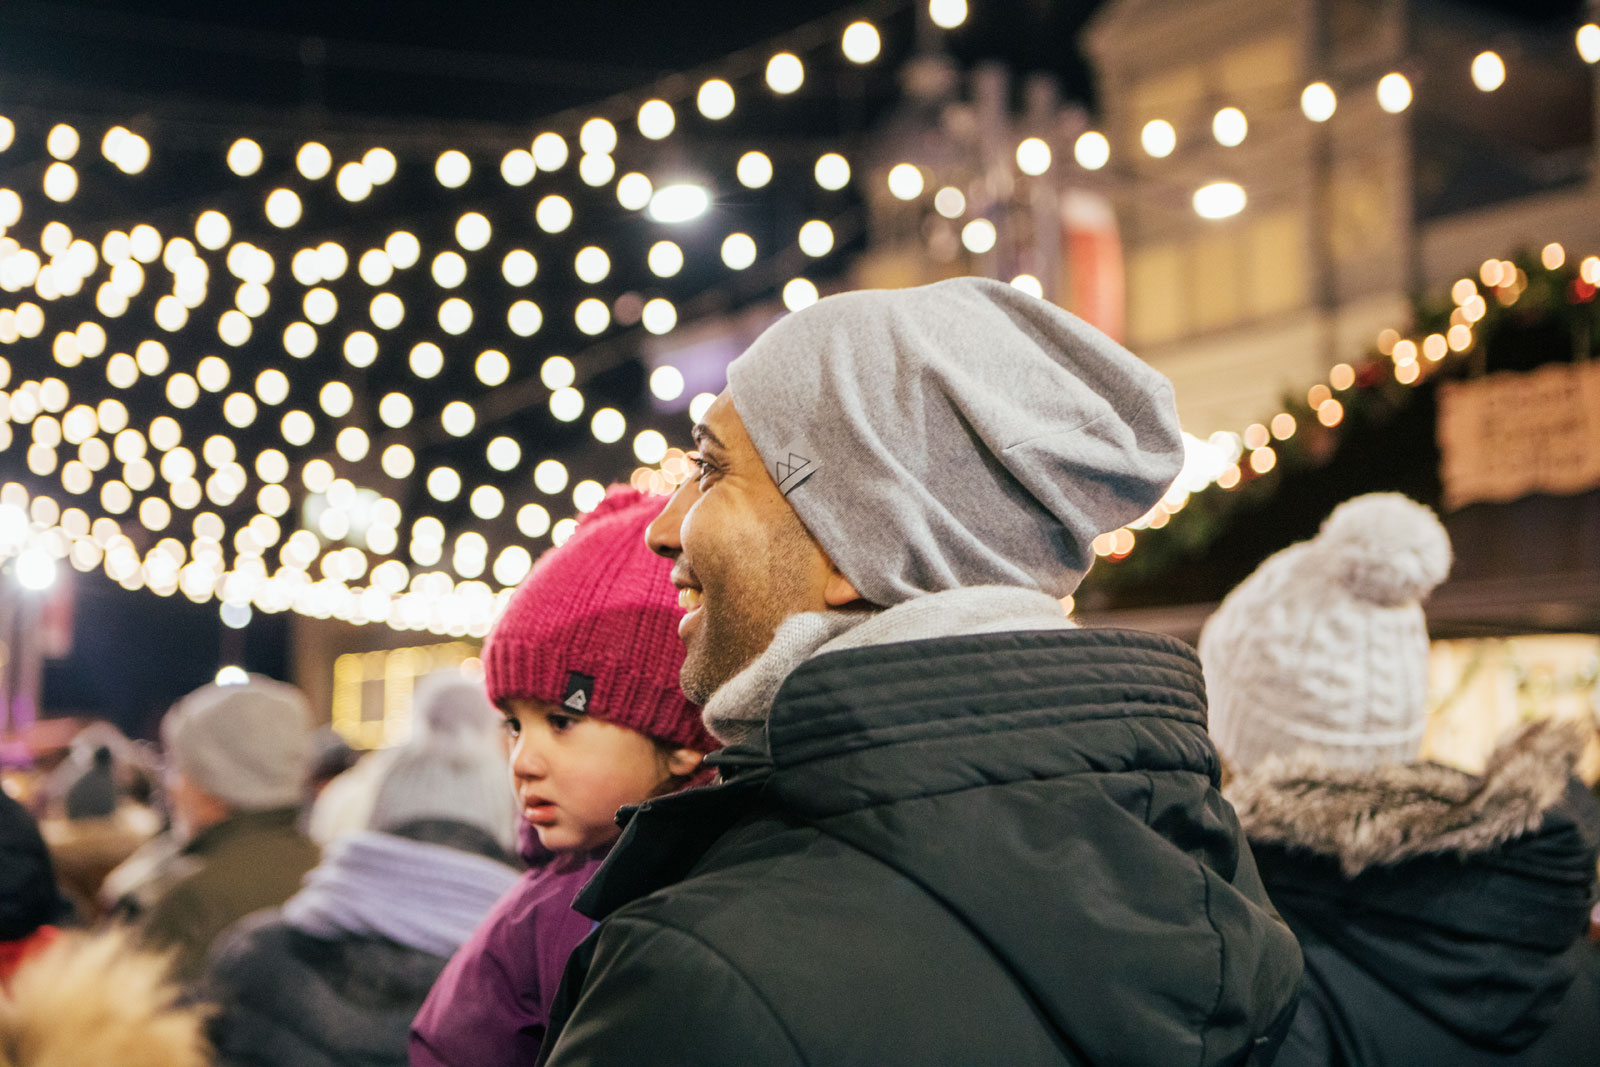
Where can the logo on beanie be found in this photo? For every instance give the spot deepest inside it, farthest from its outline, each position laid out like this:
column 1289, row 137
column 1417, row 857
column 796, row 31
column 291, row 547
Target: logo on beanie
column 579, row 687
column 790, row 472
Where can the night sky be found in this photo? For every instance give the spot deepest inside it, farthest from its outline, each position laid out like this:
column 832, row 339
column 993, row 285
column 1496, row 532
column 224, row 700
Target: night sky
column 431, row 67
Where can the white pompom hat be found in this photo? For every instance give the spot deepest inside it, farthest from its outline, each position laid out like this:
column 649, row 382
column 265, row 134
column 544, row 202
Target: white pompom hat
column 1323, row 651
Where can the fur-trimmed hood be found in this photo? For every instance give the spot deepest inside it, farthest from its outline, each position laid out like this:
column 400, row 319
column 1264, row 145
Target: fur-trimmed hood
column 1416, row 887
column 1385, row 816
column 96, row 998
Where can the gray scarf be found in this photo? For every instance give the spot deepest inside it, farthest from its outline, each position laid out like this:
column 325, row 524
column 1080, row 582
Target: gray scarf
column 737, row 713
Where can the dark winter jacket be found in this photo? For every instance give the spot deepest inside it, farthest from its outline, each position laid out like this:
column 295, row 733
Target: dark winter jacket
column 1441, row 914
column 1005, row 849
column 287, row 997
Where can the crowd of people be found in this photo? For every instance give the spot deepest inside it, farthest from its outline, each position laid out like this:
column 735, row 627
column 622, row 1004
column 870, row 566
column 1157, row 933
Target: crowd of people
column 808, row 765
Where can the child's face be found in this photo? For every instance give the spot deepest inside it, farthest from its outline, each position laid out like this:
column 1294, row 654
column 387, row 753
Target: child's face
column 572, row 772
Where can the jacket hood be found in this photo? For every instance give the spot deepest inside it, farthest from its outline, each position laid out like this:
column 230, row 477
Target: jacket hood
column 1437, row 882
column 1057, row 793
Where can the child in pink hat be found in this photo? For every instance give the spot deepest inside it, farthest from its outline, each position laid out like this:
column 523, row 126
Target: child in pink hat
column 584, row 666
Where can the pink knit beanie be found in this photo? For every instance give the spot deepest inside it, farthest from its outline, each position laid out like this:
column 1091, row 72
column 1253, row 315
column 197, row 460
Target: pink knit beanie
column 594, row 628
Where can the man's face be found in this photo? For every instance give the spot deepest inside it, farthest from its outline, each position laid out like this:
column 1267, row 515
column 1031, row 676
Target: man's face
column 744, row 560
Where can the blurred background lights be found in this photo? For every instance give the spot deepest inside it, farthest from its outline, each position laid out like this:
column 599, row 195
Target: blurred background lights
column 1488, row 71
column 244, row 157
column 449, row 270
column 656, row 119
column 562, row 530
column 754, row 170
column 557, row 372
column 905, row 181
column 598, row 135
column 395, row 410
column 487, row 502
column 62, row 141
column 403, row 249
column 1394, row 93
column 283, row 208
column 596, row 170
column 591, row 264
column 1318, row 102
column 738, row 251
column 553, row 214
column 373, row 266
column 650, row 447
column 659, row 316
column 1219, row 200
column 715, row 99
column 398, row 461
column 1033, row 156
column 272, row 386
column 1158, row 138
column 608, row 425
column 1028, row 284
column 517, row 167
column 313, row 160
column 333, row 260
column 426, row 359
column 947, row 14
column 60, row 182
column 387, row 312
column 35, row 569
column 212, row 230
column 457, row 418
column 633, row 191
column 503, row 453
column 455, row 316
column 1229, row 127
column 444, row 484
column 1588, row 40
column 832, row 171
column 549, row 151
column 452, row 168
column 665, row 259
column 380, row 165
column 353, row 182
column 519, row 267
column 666, row 383
column 472, row 231
column 816, row 238
column 299, row 339
column 550, row 476
column 360, row 349
column 799, row 293
column 524, row 318
column 785, row 73
column 978, row 236
column 566, row 404
column 679, row 203
column 860, row 42
column 587, row 495
column 492, row 367
column 336, row 399
column 533, row 520
column 1092, row 150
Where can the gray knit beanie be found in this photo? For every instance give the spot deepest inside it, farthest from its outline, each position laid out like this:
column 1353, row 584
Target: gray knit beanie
column 248, row 744
column 454, row 766
column 956, row 434
column 1323, row 651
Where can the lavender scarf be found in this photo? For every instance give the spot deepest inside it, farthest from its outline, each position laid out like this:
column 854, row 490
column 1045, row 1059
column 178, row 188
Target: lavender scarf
column 424, row 896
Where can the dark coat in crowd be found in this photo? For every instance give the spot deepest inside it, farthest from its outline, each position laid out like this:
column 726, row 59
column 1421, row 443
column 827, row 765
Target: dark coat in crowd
column 247, row 862
column 287, row 997
column 996, row 849
column 1441, row 914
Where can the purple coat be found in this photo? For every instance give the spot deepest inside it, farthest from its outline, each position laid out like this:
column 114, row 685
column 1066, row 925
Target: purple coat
column 491, row 1004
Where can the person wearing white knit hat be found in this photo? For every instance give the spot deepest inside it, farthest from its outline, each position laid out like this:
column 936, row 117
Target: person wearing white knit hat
column 1324, row 649
column 1438, row 911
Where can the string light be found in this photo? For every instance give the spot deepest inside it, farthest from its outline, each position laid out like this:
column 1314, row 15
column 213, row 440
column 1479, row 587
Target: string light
column 785, row 73
column 1033, row 156
column 860, row 42
column 452, row 169
column 754, row 170
column 1488, row 71
column 1229, row 127
column 1092, row 150
column 313, row 161
column 905, row 181
column 656, row 119
column 947, row 14
column 1394, row 93
column 1158, row 138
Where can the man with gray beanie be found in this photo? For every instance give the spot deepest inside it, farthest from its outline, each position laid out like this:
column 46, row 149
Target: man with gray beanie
column 237, row 759
column 952, row 828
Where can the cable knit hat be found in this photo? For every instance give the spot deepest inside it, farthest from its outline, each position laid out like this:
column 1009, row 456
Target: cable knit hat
column 453, row 766
column 956, row 434
column 1324, row 649
column 594, row 628
column 248, row 744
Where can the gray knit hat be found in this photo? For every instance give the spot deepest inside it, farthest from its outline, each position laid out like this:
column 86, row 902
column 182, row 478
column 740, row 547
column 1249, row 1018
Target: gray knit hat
column 454, row 766
column 1323, row 651
column 247, row 744
column 956, row 434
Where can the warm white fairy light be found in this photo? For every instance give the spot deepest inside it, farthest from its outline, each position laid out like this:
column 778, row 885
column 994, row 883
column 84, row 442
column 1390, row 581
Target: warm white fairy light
column 634, row 191
column 426, row 359
column 517, row 167
column 947, row 14
column 299, row 339
column 785, row 73
column 816, row 238
column 860, row 42
column 458, row 418
column 566, row 404
column 473, row 231
column 832, row 171
column 592, row 264
column 1092, row 150
column 353, row 182
column 244, row 157
column 656, row 119
column 596, row 170
column 715, row 99
column 492, row 367
column 360, row 349
column 455, row 316
column 905, row 181
column 452, row 169
column 387, row 311
column 592, row 316
column 449, row 270
column 313, row 160
column 403, row 249
column 553, row 214
column 799, row 293
column 754, row 170
column 665, row 259
column 1230, row 127
column 1394, row 93
column 557, row 372
column 524, row 318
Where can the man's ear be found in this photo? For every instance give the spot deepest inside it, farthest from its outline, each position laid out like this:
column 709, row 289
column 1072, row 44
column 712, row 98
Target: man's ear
column 839, row 592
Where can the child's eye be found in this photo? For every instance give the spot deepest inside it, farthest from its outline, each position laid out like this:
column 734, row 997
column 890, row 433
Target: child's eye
column 512, row 725
column 560, row 723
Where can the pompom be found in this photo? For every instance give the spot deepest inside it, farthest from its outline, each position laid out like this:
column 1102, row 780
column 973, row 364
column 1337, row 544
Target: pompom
column 1385, row 548
column 447, row 703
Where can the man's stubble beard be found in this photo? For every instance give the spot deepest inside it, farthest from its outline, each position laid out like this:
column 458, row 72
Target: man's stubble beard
column 742, row 615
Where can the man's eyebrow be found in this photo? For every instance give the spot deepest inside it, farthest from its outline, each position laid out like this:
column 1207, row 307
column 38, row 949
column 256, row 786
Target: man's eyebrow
column 702, row 435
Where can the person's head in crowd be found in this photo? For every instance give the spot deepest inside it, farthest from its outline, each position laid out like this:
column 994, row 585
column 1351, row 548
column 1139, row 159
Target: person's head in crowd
column 976, row 436
column 30, row 902
column 236, row 748
column 331, row 756
column 584, row 666
column 453, row 767
column 1323, row 651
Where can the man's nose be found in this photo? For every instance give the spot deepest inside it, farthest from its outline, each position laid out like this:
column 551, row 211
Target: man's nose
column 662, row 534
